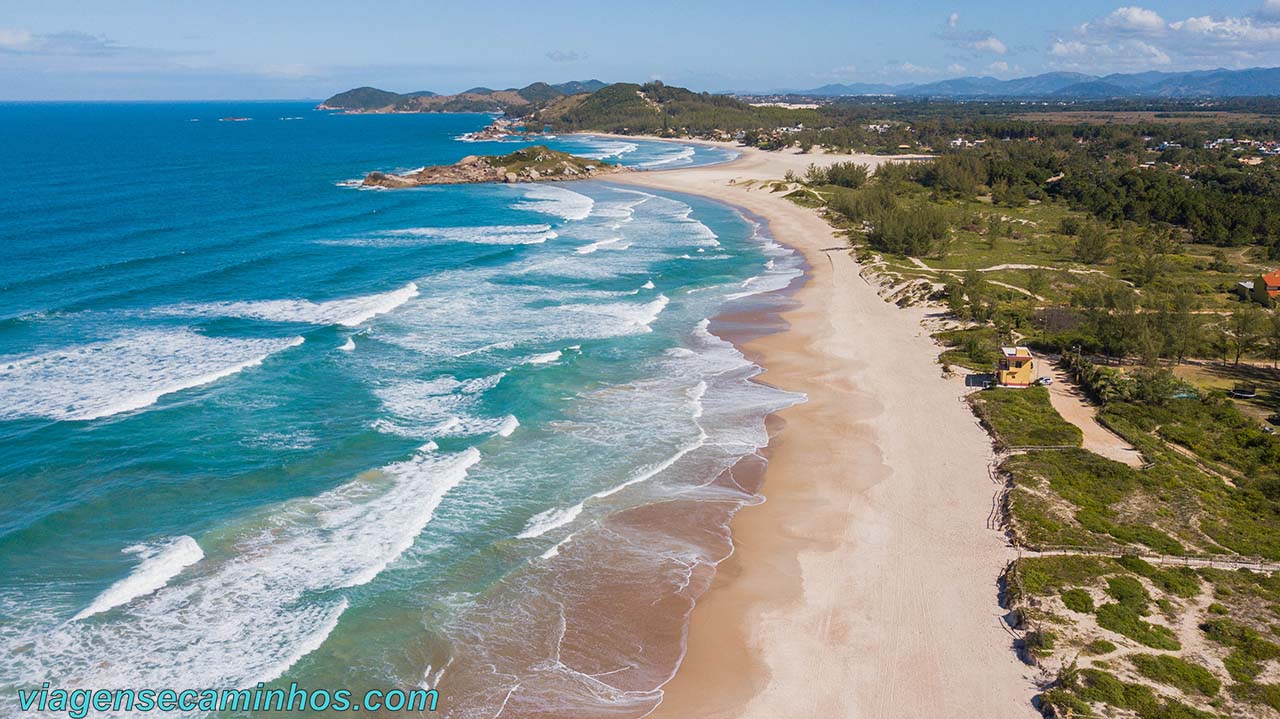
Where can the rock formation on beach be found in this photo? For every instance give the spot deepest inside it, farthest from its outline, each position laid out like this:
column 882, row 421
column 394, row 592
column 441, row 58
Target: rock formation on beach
column 532, row 164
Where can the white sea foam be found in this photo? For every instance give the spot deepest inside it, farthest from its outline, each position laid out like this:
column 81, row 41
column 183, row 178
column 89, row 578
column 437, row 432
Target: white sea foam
column 127, row 373
column 611, row 243
column 544, row 358
column 272, row 593
column 604, row 149
column 477, row 235
column 633, row 317
column 543, row 522
column 647, row 285
column 682, row 156
column 509, row 425
column 443, row 407
column 350, row 312
column 558, row 201
column 161, row 561
column 555, row 551
column 349, row 345
column 768, row 282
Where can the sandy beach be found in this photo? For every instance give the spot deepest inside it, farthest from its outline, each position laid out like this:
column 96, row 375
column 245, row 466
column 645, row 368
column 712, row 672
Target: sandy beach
column 866, row 584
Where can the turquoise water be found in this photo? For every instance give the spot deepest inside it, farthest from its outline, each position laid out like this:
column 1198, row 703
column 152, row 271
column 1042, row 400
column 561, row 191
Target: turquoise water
column 260, row 425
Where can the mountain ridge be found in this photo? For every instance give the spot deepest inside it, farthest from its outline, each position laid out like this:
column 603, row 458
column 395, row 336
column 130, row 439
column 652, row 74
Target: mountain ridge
column 477, row 99
column 1220, row 82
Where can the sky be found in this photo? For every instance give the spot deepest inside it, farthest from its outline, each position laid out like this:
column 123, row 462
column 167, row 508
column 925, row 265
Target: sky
column 282, row 49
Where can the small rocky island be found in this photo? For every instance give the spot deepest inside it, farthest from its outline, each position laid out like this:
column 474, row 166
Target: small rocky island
column 532, row 164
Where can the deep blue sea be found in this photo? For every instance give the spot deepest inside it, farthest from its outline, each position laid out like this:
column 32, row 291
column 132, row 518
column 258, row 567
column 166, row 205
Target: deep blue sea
column 260, row 425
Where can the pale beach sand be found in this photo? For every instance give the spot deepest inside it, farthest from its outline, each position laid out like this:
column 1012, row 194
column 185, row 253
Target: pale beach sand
column 866, row 584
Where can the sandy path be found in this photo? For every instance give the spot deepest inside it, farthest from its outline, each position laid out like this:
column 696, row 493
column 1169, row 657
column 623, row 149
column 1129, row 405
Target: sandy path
column 1071, row 404
column 866, row 585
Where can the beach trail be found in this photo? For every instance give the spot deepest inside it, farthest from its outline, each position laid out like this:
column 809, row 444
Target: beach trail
column 866, row 585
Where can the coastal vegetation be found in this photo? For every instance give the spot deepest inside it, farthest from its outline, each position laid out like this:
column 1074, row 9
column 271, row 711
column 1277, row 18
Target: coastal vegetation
column 1115, row 252
column 1024, row 419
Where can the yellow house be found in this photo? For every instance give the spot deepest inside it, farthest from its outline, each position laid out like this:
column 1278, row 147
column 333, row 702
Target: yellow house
column 1016, row 367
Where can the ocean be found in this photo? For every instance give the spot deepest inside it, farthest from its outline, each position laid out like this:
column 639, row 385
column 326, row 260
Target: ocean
column 260, row 425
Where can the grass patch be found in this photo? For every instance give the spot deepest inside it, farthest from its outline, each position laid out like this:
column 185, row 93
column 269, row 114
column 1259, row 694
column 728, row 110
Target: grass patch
column 1179, row 581
column 1178, row 673
column 1043, row 575
column 1099, row 646
column 1099, row 686
column 973, row 348
column 1249, row 649
column 1078, row 600
column 1255, row 693
column 1092, row 484
column 1126, row 620
column 1025, row 418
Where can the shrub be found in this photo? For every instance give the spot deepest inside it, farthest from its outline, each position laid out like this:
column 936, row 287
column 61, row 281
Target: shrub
column 1099, row 646
column 1126, row 620
column 1078, row 600
column 1176, row 672
column 1130, row 591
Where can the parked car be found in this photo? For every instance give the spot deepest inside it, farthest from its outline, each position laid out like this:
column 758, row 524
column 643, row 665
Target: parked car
column 1044, row 381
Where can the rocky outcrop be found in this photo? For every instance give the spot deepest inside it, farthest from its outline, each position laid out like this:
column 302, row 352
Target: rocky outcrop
column 532, row 164
column 500, row 129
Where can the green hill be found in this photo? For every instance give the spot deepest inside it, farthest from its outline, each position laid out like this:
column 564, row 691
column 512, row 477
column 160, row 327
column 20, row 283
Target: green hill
column 657, row 108
column 362, row 98
column 476, row 99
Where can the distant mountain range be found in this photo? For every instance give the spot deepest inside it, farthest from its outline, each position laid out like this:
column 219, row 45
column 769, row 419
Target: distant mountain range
column 1071, row 85
column 476, row 99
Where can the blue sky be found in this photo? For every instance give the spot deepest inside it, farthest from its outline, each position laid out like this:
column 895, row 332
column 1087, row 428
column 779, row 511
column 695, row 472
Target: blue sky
column 179, row 49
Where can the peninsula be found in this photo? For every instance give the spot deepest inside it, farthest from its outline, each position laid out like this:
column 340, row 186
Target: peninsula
column 531, row 164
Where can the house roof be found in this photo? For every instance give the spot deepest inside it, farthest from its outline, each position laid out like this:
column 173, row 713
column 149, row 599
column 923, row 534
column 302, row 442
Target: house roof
column 1272, row 279
column 1016, row 352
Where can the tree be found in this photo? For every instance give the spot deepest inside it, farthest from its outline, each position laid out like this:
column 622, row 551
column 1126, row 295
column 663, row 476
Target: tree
column 848, row 174
column 1037, row 281
column 1177, row 322
column 1244, row 329
column 1091, row 246
column 1273, row 338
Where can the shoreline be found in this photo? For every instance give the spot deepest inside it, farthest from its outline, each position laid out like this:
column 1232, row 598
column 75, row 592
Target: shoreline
column 866, row 583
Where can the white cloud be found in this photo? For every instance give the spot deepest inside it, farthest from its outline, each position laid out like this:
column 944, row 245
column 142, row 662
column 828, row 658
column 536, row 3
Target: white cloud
column 1227, row 31
column 999, row 67
column 913, row 69
column 14, row 39
column 844, row 70
column 955, row 17
column 1135, row 20
column 990, row 44
column 1132, row 37
column 956, row 68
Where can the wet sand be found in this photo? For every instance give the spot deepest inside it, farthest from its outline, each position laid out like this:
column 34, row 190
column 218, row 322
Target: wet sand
column 865, row 586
